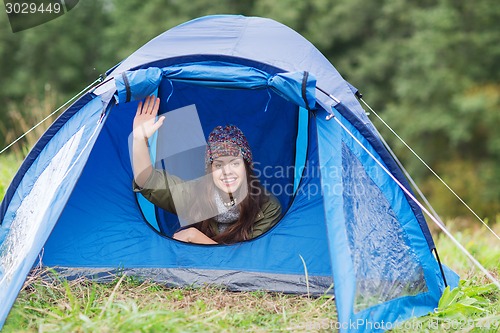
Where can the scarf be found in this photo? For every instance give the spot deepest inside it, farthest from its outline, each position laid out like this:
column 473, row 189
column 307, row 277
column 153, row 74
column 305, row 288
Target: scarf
column 226, row 215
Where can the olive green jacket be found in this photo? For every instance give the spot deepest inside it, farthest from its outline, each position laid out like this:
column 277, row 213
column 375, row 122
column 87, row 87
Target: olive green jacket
column 167, row 191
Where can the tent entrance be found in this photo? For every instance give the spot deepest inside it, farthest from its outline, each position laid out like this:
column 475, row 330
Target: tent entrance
column 275, row 128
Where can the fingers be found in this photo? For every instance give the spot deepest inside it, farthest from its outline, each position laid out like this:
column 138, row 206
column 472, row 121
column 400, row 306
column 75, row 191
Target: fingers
column 153, row 105
column 180, row 236
column 150, row 106
column 149, row 101
column 145, row 108
column 139, row 108
column 158, row 123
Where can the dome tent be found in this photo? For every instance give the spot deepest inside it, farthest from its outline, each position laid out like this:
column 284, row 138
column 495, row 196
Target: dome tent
column 345, row 220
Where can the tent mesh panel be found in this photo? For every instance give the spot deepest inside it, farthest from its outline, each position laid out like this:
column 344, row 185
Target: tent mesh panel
column 385, row 265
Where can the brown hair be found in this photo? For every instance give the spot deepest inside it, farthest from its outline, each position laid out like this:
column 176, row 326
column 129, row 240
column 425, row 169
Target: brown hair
column 249, row 208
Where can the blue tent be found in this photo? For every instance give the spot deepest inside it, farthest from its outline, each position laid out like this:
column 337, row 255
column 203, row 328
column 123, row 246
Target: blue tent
column 346, row 221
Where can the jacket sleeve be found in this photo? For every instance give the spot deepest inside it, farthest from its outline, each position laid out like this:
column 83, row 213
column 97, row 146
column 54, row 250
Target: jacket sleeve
column 271, row 213
column 164, row 190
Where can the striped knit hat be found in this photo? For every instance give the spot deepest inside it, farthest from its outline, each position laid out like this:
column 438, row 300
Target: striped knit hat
column 227, row 141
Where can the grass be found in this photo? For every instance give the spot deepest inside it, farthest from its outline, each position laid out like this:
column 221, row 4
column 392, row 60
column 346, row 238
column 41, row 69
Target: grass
column 475, row 305
column 9, row 164
column 127, row 305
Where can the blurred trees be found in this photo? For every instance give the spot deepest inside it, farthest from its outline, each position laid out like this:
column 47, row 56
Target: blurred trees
column 431, row 68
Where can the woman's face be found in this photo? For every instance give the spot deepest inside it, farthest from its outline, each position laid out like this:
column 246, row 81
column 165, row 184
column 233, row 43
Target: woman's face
column 228, row 173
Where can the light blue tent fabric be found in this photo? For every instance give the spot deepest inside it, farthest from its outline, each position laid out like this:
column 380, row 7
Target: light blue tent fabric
column 345, row 222
column 219, row 75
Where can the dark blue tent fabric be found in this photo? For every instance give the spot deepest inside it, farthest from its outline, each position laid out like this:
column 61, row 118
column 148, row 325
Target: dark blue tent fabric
column 255, row 112
column 344, row 219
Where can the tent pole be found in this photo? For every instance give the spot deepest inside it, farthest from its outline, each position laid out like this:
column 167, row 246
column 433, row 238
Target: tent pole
column 440, row 266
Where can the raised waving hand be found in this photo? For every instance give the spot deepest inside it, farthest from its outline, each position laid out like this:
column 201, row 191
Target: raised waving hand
column 145, row 122
column 145, row 125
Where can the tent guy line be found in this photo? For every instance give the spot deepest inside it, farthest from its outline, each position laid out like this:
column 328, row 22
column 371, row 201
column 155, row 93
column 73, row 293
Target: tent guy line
column 412, row 181
column 407, row 192
column 431, row 170
column 84, row 90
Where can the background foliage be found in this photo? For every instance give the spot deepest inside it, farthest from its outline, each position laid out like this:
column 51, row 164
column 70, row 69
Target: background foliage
column 431, row 69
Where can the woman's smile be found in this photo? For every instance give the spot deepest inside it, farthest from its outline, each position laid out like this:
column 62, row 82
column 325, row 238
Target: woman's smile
column 228, row 173
column 229, row 180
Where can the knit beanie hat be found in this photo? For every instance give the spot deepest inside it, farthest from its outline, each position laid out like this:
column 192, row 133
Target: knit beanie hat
column 227, row 141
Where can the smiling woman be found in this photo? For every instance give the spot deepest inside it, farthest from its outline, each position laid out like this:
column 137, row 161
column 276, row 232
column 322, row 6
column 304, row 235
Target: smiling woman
column 227, row 205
